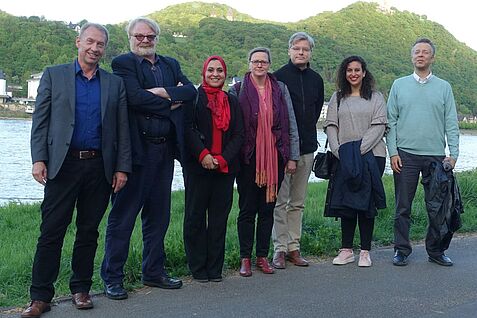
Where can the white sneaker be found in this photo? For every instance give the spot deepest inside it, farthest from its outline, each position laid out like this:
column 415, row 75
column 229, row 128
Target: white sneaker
column 364, row 259
column 345, row 256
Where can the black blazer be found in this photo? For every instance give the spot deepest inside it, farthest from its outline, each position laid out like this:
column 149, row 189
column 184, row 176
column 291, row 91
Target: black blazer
column 142, row 102
column 54, row 120
column 198, row 134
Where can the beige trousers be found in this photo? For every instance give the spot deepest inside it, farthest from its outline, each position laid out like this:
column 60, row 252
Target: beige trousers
column 288, row 213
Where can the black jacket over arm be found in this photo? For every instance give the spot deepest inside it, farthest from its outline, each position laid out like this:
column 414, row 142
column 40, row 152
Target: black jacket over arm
column 198, row 134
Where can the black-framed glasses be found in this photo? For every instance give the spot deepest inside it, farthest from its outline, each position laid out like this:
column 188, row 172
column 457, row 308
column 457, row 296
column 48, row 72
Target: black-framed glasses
column 141, row 37
column 257, row 62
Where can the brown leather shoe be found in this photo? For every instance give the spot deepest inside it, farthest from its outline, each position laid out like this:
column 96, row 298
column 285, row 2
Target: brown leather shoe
column 245, row 267
column 296, row 258
column 279, row 260
column 82, row 301
column 36, row 308
column 263, row 264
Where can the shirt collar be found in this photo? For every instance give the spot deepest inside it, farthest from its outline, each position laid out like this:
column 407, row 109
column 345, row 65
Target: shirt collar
column 422, row 80
column 78, row 69
column 142, row 58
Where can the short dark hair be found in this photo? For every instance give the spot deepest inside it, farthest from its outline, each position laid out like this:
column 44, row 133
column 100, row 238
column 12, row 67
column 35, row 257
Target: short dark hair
column 97, row 26
column 260, row 49
column 344, row 87
column 425, row 40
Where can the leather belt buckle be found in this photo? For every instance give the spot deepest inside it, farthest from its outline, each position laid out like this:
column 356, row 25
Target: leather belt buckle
column 87, row 154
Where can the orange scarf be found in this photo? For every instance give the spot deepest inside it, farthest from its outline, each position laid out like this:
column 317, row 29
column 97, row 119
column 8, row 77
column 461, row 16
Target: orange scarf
column 266, row 170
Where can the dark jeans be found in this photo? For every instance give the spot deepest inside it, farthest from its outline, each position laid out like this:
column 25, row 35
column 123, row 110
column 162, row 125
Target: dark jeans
column 405, row 184
column 366, row 225
column 252, row 202
column 148, row 188
column 81, row 183
column 208, row 200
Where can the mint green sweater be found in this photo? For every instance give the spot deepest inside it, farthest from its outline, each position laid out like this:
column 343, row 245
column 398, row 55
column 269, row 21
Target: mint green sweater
column 421, row 117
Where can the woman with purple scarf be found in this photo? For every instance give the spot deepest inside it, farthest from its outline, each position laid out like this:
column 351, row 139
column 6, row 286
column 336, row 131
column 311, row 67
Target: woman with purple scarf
column 270, row 146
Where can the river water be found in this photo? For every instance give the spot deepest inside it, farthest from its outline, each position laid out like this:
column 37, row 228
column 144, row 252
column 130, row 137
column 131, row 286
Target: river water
column 17, row 184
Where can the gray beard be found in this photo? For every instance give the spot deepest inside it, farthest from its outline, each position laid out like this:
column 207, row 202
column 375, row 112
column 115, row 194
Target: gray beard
column 143, row 51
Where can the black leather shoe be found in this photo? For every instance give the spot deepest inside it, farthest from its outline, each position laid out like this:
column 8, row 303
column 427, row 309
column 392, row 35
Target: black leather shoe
column 115, row 291
column 441, row 260
column 165, row 282
column 399, row 259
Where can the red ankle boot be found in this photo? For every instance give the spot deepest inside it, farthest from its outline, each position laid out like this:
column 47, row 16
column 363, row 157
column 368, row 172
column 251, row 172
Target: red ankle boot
column 264, row 265
column 245, row 267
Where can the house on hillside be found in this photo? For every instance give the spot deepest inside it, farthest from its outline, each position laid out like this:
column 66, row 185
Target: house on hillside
column 33, row 84
column 4, row 97
column 74, row 26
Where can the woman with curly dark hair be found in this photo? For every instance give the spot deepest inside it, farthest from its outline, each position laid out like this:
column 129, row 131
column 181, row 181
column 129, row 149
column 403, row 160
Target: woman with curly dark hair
column 355, row 126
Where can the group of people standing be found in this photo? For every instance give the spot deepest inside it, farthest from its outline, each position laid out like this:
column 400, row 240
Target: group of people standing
column 95, row 133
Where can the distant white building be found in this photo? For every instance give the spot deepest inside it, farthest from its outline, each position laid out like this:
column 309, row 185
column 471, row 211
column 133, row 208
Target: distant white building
column 33, row 84
column 3, row 88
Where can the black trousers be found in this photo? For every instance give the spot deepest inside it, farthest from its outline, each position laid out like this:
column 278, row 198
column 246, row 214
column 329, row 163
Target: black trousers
column 208, row 200
column 252, row 202
column 148, row 191
column 366, row 225
column 405, row 185
column 81, row 183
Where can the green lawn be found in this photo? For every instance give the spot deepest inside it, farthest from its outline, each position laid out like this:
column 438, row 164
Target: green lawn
column 19, row 230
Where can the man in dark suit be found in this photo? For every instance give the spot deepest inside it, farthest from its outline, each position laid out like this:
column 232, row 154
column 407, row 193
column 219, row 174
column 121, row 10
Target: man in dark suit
column 80, row 148
column 156, row 89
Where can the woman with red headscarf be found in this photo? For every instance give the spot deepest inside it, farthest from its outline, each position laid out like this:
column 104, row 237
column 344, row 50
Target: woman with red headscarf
column 214, row 135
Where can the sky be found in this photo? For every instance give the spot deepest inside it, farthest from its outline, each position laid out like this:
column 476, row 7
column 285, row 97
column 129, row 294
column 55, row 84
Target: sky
column 457, row 16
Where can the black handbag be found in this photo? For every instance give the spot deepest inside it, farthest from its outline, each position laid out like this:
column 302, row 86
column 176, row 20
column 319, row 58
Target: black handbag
column 323, row 163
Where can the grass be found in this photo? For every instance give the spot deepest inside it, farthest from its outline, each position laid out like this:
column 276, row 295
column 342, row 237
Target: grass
column 19, row 230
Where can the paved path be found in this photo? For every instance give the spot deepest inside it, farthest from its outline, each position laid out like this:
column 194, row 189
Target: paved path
column 421, row 289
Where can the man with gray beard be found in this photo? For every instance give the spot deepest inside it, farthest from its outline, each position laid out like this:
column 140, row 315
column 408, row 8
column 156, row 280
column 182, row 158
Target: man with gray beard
column 156, row 90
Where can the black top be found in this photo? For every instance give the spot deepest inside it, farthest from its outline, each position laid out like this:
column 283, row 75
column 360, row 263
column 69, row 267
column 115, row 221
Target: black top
column 307, row 94
column 198, row 134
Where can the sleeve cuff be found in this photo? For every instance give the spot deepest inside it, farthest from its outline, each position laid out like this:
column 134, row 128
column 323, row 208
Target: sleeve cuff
column 204, row 153
column 223, row 165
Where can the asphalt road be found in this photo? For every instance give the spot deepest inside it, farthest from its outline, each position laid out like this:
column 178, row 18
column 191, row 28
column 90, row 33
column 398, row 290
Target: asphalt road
column 421, row 289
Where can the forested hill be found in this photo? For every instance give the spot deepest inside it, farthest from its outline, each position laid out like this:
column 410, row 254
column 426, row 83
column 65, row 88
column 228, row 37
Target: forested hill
column 193, row 31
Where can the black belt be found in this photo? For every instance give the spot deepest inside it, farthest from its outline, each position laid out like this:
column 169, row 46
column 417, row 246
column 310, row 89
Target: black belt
column 156, row 140
column 84, row 154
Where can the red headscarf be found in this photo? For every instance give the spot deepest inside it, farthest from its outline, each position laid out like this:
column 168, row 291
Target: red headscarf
column 218, row 101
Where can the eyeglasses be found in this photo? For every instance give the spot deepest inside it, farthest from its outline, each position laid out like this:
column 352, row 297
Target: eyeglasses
column 256, row 62
column 140, row 37
column 298, row 49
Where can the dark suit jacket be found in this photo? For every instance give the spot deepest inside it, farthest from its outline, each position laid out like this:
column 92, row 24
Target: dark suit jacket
column 198, row 134
column 54, row 120
column 142, row 102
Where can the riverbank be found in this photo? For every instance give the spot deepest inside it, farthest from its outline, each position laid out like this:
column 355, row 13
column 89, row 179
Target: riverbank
column 19, row 229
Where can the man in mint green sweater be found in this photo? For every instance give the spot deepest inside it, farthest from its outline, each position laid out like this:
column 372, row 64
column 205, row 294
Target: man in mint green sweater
column 422, row 117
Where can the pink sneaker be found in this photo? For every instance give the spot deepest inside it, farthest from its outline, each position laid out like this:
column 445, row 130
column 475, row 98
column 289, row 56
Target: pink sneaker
column 345, row 256
column 364, row 259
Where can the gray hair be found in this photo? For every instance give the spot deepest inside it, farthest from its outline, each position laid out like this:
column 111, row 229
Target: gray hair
column 97, row 26
column 299, row 36
column 151, row 23
column 260, row 49
column 424, row 40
